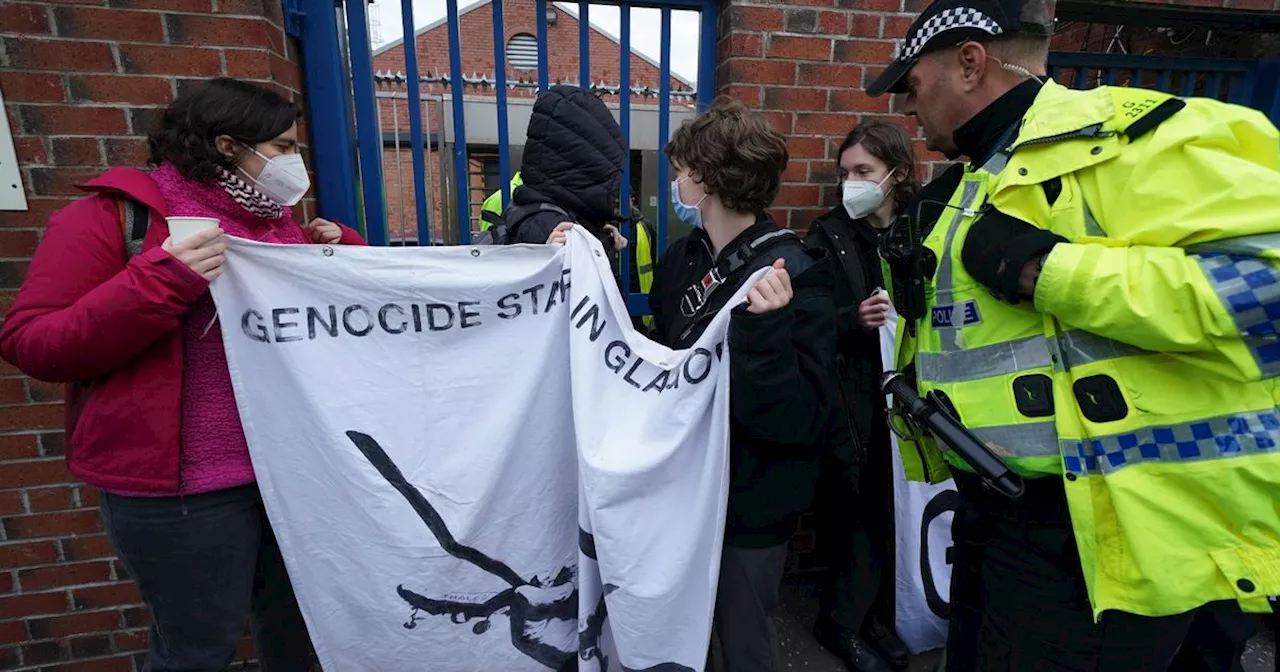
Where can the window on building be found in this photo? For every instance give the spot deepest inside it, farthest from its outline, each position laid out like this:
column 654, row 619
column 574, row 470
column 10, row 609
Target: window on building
column 522, row 52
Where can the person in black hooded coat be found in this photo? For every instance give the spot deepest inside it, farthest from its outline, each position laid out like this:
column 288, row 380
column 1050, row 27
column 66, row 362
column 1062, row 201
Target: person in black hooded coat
column 572, row 169
column 877, row 168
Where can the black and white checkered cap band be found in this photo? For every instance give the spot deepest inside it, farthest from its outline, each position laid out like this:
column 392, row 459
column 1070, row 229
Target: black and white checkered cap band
column 947, row 19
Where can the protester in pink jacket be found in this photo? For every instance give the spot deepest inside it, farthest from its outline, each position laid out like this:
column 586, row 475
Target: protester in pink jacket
column 151, row 417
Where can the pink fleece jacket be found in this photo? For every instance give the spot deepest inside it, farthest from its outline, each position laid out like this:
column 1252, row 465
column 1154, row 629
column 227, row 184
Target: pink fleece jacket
column 214, row 453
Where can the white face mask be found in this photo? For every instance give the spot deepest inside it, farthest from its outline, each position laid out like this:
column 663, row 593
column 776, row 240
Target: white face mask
column 283, row 179
column 863, row 198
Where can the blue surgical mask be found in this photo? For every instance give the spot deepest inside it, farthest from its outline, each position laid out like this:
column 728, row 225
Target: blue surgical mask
column 689, row 214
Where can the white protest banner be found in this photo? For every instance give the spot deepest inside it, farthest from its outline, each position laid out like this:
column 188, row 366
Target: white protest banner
column 917, row 625
column 462, row 449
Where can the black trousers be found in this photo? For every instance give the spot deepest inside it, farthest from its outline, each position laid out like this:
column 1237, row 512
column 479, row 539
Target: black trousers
column 1218, row 637
column 204, row 563
column 856, row 538
column 1018, row 598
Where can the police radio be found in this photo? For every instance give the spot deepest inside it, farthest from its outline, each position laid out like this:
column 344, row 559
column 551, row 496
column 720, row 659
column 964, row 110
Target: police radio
column 910, row 265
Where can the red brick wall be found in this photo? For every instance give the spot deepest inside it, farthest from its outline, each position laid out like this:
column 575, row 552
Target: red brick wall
column 805, row 63
column 81, row 88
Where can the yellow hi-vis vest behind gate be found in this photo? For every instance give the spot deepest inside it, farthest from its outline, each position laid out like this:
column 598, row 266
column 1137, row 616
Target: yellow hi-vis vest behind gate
column 1147, row 373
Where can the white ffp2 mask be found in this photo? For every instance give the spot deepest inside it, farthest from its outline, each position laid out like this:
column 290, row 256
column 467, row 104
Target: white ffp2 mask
column 862, row 198
column 283, row 179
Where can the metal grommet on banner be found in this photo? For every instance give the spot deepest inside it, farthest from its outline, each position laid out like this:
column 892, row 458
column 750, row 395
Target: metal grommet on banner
column 475, row 251
column 327, row 251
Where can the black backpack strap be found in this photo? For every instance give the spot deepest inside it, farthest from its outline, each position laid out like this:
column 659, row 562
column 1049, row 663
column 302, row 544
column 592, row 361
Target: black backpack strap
column 729, row 266
column 135, row 219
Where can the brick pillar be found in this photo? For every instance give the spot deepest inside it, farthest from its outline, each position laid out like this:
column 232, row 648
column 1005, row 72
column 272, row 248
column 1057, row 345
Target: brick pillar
column 805, row 63
column 81, row 88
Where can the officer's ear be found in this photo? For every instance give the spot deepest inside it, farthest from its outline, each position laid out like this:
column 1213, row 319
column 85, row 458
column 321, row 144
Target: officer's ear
column 972, row 58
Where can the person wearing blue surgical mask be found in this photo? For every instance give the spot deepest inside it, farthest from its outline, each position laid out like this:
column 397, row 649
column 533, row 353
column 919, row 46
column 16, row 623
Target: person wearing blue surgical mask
column 728, row 165
column 877, row 169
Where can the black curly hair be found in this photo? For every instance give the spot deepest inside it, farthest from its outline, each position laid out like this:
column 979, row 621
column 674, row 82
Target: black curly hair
column 189, row 128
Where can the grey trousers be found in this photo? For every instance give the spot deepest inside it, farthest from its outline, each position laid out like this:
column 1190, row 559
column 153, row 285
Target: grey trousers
column 750, row 579
column 204, row 564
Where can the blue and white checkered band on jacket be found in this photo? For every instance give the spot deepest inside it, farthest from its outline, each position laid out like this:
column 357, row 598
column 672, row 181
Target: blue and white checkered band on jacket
column 947, row 19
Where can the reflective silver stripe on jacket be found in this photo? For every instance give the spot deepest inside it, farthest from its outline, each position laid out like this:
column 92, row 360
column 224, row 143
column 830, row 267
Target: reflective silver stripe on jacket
column 944, row 280
column 986, row 361
column 1091, row 226
column 1072, row 348
column 1032, row 439
column 1077, row 347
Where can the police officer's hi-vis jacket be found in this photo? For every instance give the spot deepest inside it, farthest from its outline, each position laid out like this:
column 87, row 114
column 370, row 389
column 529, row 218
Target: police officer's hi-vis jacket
column 1147, row 372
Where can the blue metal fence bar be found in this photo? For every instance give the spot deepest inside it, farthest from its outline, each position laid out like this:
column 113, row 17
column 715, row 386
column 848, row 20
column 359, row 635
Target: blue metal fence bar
column 1213, row 87
column 544, row 77
column 367, row 126
column 1189, row 83
column 462, row 175
column 328, row 119
column 707, row 55
column 624, row 115
column 414, row 90
column 1165, row 76
column 584, row 45
column 1073, row 59
column 1081, row 80
column 500, row 89
column 1235, row 90
column 664, row 129
column 1263, row 86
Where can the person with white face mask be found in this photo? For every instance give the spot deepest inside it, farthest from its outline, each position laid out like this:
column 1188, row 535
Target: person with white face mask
column 125, row 321
column 877, row 169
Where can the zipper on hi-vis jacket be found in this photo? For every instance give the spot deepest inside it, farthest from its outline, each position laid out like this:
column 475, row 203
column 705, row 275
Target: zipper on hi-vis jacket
column 1094, row 131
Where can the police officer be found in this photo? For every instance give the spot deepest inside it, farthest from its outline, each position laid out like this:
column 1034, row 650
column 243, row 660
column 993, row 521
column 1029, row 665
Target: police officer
column 1101, row 311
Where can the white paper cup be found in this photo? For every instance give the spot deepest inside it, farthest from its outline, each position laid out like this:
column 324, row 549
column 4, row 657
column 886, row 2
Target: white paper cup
column 181, row 228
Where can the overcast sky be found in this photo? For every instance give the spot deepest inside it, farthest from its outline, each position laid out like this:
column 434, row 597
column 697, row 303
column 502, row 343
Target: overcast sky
column 645, row 25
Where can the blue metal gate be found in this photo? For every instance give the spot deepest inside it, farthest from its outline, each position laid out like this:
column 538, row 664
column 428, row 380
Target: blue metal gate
column 343, row 106
column 347, row 134
column 1250, row 83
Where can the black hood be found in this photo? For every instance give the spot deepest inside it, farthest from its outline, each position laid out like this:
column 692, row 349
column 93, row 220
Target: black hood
column 574, row 155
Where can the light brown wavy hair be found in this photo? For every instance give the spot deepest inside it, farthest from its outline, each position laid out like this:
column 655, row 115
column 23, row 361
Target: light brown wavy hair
column 733, row 153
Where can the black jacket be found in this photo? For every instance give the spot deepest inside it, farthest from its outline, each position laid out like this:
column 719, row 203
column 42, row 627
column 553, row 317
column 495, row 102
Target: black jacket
column 854, row 247
column 573, row 158
column 781, row 373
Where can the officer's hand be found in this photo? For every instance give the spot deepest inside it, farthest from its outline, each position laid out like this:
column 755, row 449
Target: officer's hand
column 998, row 249
column 619, row 241
column 772, row 292
column 1028, row 278
column 874, row 312
column 561, row 234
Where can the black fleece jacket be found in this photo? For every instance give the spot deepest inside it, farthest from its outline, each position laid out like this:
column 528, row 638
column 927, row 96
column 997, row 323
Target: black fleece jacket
column 782, row 378
column 854, row 247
